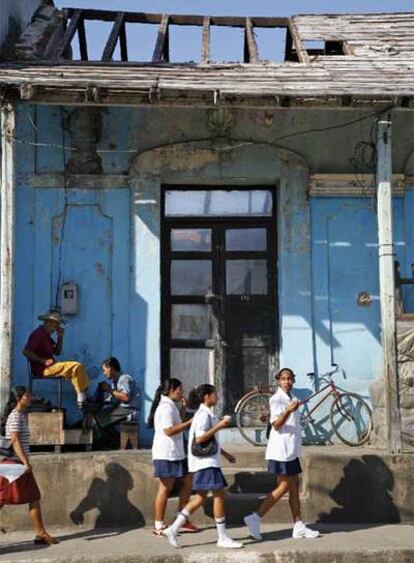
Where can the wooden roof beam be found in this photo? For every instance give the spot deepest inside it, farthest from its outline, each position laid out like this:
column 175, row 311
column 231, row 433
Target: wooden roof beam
column 75, row 18
column 301, row 52
column 251, row 52
column 113, row 38
column 205, row 41
column 161, row 51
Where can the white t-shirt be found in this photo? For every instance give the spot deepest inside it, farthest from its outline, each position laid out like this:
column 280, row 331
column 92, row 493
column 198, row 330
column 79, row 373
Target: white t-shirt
column 203, row 421
column 284, row 444
column 166, row 447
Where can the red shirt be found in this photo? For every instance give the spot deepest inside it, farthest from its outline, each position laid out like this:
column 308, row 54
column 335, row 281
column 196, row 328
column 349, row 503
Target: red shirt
column 42, row 344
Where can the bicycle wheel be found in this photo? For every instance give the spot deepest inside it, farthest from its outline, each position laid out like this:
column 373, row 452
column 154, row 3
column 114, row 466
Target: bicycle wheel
column 252, row 418
column 351, row 419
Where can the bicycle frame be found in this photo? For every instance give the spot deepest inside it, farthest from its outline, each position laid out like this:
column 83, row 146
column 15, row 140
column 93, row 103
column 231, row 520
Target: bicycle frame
column 332, row 391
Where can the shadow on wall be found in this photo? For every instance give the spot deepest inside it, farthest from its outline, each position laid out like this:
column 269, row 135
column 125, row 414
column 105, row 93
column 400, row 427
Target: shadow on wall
column 364, row 493
column 110, row 498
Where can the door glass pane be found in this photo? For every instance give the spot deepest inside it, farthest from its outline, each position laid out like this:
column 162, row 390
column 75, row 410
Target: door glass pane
column 196, row 240
column 246, row 277
column 192, row 322
column 179, row 203
column 246, row 239
column 190, row 277
column 192, row 366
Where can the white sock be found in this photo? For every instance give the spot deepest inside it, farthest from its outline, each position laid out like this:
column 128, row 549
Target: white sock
column 221, row 528
column 179, row 521
column 257, row 516
column 81, row 397
column 299, row 524
column 158, row 524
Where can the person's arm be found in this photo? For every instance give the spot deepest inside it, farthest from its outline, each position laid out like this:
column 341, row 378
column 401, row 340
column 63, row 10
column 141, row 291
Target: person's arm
column 281, row 419
column 208, row 434
column 59, row 343
column 177, row 428
column 18, row 449
column 227, row 455
column 31, row 356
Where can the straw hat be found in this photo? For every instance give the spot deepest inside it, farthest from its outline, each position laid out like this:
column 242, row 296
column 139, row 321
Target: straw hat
column 52, row 315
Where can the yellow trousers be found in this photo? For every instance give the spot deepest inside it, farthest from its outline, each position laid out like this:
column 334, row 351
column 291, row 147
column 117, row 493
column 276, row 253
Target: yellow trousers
column 75, row 372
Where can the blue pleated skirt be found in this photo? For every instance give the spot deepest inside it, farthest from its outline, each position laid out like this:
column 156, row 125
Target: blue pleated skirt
column 209, row 479
column 289, row 468
column 165, row 468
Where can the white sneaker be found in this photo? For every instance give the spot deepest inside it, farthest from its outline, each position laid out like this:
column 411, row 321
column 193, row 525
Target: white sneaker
column 228, row 543
column 252, row 521
column 304, row 532
column 171, row 538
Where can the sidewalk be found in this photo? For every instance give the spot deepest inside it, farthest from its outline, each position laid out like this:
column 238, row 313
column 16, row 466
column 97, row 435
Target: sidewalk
column 339, row 543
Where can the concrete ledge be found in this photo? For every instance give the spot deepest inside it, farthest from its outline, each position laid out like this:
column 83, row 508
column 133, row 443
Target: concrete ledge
column 342, row 544
column 117, row 489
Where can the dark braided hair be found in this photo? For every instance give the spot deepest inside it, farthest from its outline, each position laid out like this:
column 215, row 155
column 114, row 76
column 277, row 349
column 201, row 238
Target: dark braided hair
column 15, row 395
column 169, row 384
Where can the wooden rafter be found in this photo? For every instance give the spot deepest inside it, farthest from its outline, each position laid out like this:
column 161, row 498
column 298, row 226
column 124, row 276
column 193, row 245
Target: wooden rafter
column 113, row 37
column 251, row 53
column 205, row 41
column 161, row 51
column 72, row 28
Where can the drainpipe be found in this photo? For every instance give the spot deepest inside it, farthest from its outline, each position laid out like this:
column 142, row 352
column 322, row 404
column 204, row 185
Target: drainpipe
column 7, row 230
column 387, row 285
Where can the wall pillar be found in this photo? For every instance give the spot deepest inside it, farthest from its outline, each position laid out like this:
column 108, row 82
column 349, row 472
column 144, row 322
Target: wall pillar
column 7, row 231
column 387, row 285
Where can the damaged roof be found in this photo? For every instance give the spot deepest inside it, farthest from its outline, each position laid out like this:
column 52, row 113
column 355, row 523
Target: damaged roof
column 342, row 60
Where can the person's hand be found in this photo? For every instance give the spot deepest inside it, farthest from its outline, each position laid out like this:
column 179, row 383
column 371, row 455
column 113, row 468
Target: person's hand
column 224, row 422
column 28, row 467
column 60, row 331
column 230, row 458
column 106, row 388
column 183, row 402
column 49, row 362
column 293, row 406
column 76, row 517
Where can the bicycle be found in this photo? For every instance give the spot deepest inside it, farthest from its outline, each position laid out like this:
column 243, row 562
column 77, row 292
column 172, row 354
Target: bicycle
column 350, row 416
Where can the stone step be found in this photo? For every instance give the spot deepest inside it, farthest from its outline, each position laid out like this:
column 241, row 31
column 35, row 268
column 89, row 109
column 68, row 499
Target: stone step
column 237, row 506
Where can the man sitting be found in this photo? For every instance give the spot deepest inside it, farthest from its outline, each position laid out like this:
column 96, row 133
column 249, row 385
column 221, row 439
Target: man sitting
column 41, row 350
column 122, row 398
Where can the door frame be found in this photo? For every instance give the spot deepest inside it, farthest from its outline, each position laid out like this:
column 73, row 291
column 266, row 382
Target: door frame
column 218, row 258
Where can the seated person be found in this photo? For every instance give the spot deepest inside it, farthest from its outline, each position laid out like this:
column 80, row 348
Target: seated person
column 123, row 397
column 41, row 350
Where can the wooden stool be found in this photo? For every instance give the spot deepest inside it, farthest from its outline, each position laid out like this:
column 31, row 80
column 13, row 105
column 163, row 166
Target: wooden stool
column 129, row 433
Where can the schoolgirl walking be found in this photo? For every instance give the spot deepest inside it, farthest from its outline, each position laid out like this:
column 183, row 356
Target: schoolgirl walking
column 282, row 454
column 168, row 452
column 205, row 465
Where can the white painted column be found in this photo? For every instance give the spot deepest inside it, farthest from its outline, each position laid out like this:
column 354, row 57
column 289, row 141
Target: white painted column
column 387, row 284
column 6, row 249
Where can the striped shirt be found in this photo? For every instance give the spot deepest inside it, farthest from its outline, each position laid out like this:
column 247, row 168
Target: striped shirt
column 17, row 422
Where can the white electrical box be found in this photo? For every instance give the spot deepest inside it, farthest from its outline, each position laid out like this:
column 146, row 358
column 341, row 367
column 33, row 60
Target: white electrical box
column 70, row 298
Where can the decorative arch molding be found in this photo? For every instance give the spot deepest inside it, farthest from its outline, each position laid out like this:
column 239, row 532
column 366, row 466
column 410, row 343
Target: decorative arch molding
column 227, row 163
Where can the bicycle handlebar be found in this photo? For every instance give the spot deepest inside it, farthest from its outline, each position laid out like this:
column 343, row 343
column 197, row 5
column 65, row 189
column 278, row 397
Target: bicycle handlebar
column 328, row 374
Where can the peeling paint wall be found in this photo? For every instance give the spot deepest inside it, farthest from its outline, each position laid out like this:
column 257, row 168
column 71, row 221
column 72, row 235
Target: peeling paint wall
column 327, row 249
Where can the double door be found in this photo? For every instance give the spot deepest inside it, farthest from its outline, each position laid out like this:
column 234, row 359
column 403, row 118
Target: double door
column 219, row 312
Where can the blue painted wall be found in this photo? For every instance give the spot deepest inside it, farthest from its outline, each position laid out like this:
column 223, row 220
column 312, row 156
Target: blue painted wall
column 108, row 243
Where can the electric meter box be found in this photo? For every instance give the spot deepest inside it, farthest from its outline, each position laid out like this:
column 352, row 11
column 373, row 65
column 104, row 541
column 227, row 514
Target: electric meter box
column 70, row 298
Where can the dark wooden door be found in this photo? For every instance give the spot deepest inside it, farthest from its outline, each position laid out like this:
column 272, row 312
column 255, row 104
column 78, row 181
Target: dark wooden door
column 219, row 312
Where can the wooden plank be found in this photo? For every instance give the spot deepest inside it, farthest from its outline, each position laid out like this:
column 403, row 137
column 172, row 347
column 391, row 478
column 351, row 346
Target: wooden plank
column 161, row 45
column 205, row 41
column 387, row 285
column 123, row 42
column 180, row 19
column 82, row 40
column 113, row 38
column 300, row 50
column 251, row 53
column 69, row 33
column 7, row 232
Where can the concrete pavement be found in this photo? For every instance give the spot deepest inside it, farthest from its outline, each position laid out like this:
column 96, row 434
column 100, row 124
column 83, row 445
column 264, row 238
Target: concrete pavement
column 339, row 544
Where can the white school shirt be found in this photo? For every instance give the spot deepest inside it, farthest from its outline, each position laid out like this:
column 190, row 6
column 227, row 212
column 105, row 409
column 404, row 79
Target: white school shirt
column 203, row 421
column 284, row 444
column 166, row 447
